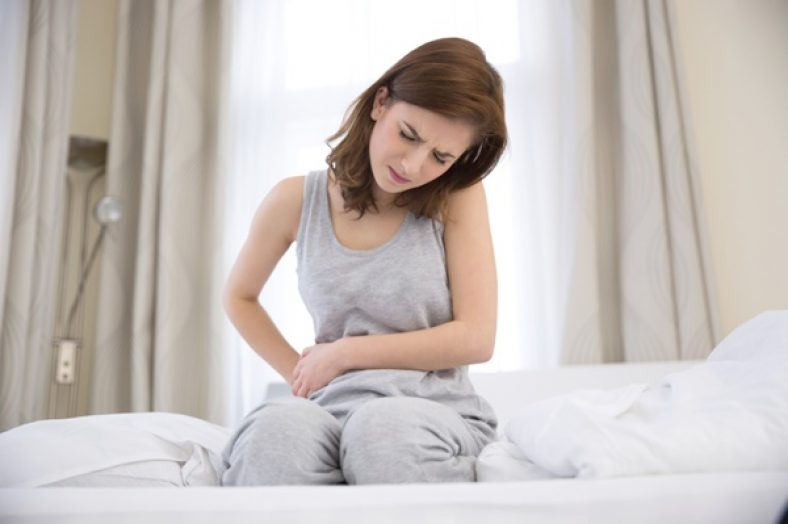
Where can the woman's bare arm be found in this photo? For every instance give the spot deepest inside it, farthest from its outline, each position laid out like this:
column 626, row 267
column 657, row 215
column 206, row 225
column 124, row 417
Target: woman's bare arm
column 273, row 229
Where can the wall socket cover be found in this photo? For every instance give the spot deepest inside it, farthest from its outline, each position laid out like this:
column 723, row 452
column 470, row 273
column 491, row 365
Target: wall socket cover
column 66, row 361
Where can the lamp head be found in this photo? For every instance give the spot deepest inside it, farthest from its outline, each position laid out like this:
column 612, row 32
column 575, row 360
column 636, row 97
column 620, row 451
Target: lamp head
column 108, row 210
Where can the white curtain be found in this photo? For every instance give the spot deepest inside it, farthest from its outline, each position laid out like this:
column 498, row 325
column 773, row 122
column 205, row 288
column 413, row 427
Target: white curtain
column 160, row 322
column 595, row 212
column 618, row 269
column 37, row 39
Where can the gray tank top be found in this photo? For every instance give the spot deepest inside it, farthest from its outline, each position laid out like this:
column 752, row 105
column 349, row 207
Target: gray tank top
column 399, row 286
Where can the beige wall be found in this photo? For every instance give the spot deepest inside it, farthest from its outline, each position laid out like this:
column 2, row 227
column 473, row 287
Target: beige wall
column 93, row 68
column 735, row 67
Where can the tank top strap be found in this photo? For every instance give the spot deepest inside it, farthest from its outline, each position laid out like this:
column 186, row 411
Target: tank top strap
column 313, row 229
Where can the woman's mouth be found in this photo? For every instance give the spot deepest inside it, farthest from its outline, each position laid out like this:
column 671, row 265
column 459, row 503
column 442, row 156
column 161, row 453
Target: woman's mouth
column 396, row 177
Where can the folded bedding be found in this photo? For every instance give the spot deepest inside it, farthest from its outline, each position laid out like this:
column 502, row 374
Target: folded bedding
column 728, row 413
column 127, row 449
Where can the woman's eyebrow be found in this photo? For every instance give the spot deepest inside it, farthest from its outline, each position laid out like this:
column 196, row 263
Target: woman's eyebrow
column 417, row 137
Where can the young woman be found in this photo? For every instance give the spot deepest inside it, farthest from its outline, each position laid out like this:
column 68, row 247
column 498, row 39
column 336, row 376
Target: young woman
column 396, row 267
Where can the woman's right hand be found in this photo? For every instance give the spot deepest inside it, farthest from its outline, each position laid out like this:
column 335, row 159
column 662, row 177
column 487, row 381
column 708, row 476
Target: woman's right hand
column 318, row 365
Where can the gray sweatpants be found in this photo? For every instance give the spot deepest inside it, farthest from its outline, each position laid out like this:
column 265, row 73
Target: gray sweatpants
column 385, row 440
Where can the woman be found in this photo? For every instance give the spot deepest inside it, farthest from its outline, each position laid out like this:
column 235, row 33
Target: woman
column 396, row 267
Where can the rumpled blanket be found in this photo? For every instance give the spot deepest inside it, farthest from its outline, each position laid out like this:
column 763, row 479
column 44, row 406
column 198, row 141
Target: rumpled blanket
column 728, row 413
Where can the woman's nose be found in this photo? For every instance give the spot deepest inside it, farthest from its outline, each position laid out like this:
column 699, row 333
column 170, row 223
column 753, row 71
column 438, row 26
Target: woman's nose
column 413, row 160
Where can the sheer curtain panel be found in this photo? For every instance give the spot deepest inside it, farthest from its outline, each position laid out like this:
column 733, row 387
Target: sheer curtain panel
column 38, row 47
column 159, row 344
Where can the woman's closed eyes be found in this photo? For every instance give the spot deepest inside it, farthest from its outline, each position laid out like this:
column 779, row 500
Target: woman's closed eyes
column 409, row 138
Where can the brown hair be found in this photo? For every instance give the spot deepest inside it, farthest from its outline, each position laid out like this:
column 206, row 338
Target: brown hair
column 449, row 76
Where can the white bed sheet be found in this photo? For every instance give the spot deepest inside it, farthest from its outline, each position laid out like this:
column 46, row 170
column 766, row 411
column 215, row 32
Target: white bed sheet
column 747, row 498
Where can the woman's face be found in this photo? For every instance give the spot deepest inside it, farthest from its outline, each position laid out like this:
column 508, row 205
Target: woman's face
column 411, row 146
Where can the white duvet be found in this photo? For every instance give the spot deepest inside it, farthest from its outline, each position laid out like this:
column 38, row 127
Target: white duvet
column 727, row 413
column 140, row 449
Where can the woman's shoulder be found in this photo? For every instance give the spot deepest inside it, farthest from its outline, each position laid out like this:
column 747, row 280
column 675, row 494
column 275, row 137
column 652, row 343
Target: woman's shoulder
column 284, row 201
column 287, row 193
column 464, row 203
column 290, row 187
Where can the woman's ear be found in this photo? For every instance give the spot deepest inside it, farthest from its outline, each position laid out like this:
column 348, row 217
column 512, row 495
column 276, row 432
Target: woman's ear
column 379, row 103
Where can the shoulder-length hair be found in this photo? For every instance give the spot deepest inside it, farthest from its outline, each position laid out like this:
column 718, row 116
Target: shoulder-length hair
column 449, row 76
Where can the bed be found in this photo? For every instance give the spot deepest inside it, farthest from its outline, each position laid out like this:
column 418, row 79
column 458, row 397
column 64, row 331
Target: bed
column 703, row 441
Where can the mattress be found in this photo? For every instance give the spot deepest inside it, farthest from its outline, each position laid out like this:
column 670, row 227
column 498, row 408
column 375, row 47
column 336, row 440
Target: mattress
column 743, row 497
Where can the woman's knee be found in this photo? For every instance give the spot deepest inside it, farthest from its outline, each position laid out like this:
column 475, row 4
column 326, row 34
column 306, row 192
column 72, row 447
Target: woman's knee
column 293, row 441
column 402, row 439
column 285, row 420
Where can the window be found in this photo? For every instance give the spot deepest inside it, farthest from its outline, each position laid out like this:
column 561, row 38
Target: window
column 298, row 66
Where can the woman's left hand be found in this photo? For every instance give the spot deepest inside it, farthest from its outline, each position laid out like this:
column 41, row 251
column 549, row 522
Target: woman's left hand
column 318, row 365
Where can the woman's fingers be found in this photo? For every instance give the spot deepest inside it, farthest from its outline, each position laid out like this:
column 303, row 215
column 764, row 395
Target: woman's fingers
column 299, row 387
column 303, row 391
column 296, row 384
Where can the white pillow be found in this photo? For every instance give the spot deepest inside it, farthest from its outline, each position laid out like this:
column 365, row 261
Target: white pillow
column 139, row 446
column 728, row 413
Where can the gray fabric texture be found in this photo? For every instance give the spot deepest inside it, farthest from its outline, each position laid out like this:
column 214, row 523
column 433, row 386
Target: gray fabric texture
column 293, row 441
column 373, row 425
column 399, row 286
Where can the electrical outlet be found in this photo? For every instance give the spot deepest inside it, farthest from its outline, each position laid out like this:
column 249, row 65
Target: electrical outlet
column 66, row 361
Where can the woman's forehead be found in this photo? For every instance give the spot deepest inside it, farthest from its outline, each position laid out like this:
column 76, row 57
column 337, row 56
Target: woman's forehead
column 434, row 127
